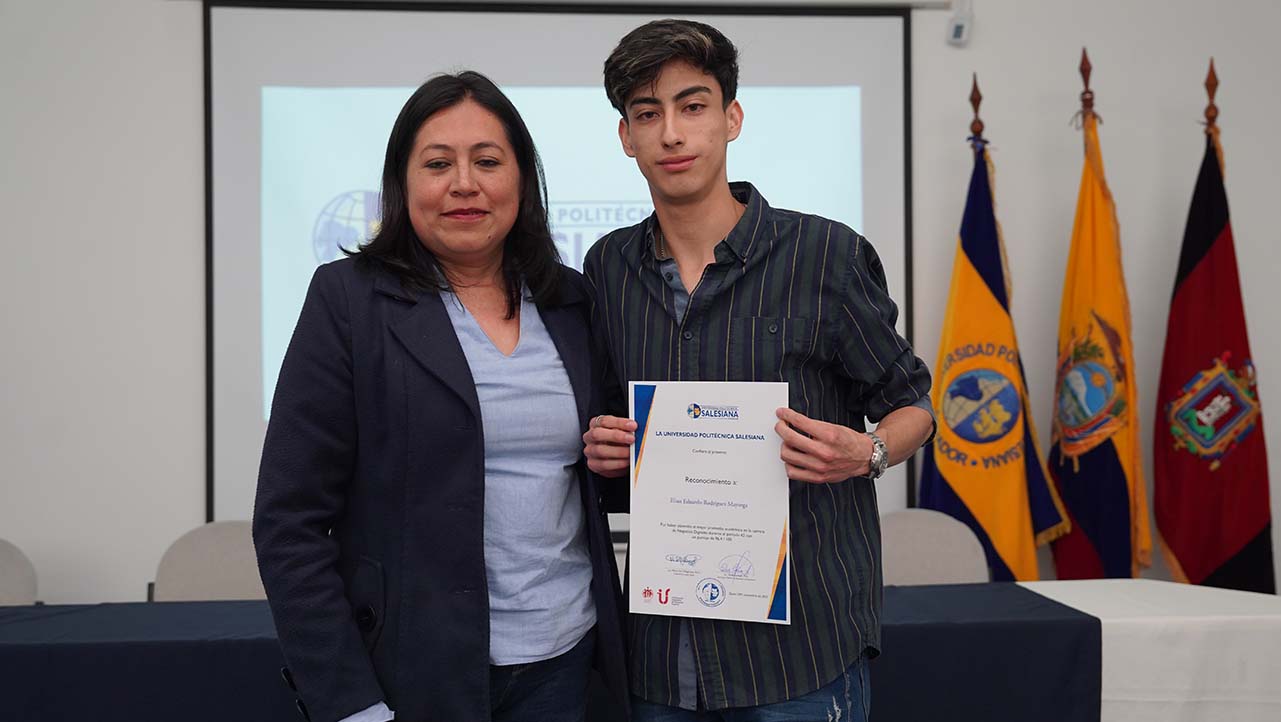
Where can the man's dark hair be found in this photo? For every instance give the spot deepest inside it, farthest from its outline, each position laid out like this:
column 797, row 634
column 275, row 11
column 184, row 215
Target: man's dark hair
column 529, row 253
column 643, row 52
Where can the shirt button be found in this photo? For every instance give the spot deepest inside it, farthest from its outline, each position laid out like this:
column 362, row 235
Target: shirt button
column 668, row 276
column 687, row 335
column 773, row 328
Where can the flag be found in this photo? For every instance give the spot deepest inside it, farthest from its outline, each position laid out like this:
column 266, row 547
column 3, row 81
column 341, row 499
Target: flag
column 1211, row 463
column 984, row 467
column 1094, row 453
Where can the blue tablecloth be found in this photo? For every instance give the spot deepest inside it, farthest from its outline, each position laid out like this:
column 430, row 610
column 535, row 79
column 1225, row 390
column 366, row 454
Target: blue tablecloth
column 983, row 652
column 987, row 653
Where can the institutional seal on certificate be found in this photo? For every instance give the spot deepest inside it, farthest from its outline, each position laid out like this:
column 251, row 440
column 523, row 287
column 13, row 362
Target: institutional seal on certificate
column 710, row 592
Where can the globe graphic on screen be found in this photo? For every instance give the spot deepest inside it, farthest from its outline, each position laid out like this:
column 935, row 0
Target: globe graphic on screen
column 347, row 221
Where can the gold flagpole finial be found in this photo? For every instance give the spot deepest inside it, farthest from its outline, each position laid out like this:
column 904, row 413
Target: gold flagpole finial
column 1211, row 110
column 1212, row 114
column 1087, row 95
column 976, row 98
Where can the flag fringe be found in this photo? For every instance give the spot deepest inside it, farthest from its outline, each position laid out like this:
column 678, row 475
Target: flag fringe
column 1055, row 532
column 1176, row 569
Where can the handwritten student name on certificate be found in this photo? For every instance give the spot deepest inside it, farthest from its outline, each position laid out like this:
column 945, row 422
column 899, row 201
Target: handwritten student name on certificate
column 709, row 502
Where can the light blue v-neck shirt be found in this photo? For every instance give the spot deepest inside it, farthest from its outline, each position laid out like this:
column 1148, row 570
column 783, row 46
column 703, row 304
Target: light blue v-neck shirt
column 536, row 556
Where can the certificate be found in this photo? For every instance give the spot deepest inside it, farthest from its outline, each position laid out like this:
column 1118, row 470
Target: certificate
column 709, row 502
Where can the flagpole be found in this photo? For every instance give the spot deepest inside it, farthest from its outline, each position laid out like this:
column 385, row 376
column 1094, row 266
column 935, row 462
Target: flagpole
column 1087, row 95
column 976, row 125
column 1212, row 113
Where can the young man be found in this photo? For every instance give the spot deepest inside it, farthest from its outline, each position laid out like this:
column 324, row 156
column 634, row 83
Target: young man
column 719, row 286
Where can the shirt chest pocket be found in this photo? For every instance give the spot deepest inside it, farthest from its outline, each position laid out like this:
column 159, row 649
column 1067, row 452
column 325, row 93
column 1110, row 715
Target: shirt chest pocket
column 768, row 348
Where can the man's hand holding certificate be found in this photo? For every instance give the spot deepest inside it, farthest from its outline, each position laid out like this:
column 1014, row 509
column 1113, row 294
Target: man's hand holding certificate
column 709, row 502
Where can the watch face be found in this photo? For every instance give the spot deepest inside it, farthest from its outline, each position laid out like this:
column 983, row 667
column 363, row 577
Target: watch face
column 880, row 457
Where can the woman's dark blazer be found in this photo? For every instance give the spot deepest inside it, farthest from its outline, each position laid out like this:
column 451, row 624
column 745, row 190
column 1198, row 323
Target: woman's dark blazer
column 369, row 517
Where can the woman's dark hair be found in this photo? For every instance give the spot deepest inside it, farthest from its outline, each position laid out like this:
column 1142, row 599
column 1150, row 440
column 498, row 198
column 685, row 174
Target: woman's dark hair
column 529, row 254
column 642, row 53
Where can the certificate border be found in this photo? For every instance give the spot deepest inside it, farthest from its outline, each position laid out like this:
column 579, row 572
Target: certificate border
column 640, row 398
column 643, row 398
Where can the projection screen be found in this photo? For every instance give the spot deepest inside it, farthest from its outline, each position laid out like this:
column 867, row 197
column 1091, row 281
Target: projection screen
column 301, row 101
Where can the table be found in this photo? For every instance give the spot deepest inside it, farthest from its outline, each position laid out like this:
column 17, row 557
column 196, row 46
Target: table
column 142, row 662
column 1175, row 652
column 988, row 652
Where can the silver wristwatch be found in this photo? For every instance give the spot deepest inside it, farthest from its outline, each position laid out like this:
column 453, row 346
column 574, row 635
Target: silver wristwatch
column 880, row 460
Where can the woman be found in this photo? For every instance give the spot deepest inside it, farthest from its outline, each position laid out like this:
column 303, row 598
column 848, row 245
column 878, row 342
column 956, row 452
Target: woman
column 429, row 539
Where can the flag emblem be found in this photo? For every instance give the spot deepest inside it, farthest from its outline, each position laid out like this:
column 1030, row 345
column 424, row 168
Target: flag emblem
column 1216, row 409
column 1091, row 404
column 981, row 406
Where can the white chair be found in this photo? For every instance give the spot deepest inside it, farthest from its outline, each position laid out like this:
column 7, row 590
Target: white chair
column 17, row 576
column 920, row 546
column 211, row 562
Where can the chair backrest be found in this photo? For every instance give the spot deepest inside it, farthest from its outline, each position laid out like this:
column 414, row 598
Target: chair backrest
column 920, row 546
column 211, row 562
column 17, row 576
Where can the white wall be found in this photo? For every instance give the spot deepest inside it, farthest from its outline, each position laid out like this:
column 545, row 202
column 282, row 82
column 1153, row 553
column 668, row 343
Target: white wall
column 1150, row 59
column 101, row 289
column 101, row 192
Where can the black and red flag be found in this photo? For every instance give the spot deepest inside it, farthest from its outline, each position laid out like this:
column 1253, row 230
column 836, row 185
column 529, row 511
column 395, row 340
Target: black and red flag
column 1211, row 464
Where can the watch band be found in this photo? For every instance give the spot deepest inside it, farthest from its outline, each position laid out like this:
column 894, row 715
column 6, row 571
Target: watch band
column 880, row 460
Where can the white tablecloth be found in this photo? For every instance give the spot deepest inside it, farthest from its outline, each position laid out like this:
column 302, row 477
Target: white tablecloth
column 1181, row 653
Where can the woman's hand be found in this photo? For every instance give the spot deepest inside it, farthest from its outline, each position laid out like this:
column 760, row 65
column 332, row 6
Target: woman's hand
column 608, row 441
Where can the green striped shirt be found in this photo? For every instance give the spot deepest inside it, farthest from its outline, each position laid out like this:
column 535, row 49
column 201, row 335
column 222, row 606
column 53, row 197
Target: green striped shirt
column 796, row 298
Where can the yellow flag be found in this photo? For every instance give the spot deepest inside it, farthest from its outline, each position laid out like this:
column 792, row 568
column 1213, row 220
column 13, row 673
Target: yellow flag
column 1094, row 457
column 984, row 467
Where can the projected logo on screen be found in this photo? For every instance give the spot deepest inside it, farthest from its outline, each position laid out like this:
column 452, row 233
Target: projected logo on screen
column 351, row 219
column 576, row 225
column 346, row 221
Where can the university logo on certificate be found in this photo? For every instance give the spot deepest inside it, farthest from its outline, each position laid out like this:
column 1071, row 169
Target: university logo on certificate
column 709, row 502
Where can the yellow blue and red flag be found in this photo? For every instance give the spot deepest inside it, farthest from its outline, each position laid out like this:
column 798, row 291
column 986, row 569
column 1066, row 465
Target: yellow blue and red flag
column 1094, row 454
column 1210, row 455
column 984, row 467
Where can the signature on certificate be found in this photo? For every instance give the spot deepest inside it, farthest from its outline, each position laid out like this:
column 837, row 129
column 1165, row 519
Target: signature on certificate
column 688, row 560
column 737, row 566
